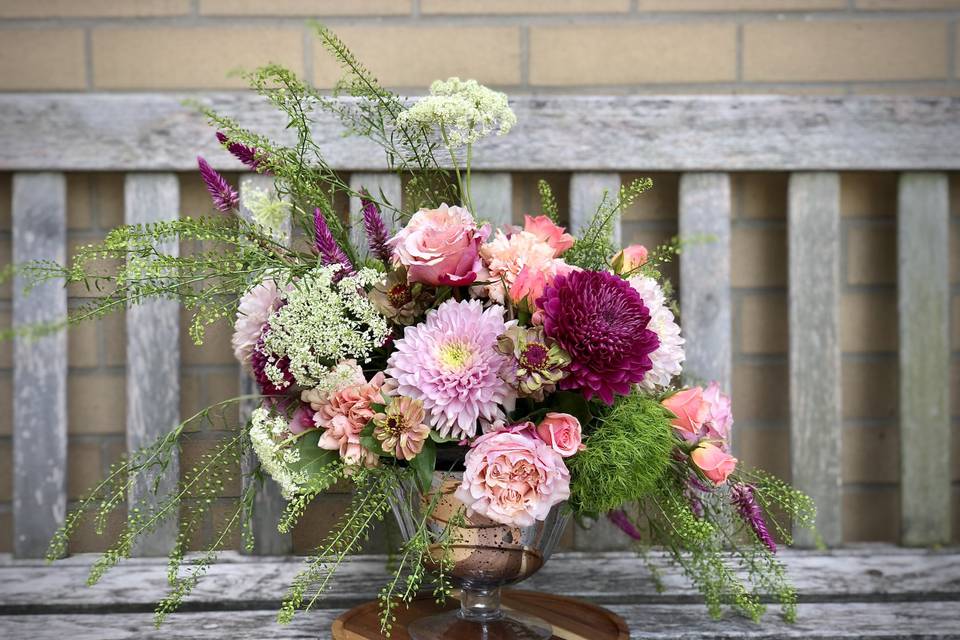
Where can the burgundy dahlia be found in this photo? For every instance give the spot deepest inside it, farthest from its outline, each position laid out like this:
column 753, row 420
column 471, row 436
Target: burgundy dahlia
column 601, row 321
column 259, row 359
column 741, row 496
column 223, row 195
column 245, row 154
column 326, row 245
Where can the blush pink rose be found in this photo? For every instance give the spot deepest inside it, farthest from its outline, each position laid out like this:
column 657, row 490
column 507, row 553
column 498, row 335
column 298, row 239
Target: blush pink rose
column 691, row 411
column 719, row 412
column 715, row 463
column 630, row 258
column 513, row 477
column 344, row 415
column 440, row 246
column 546, row 231
column 562, row 432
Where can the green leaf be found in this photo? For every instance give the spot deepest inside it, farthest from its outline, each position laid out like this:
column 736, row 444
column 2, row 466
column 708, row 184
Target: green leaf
column 439, row 439
column 423, row 465
column 373, row 444
column 312, row 457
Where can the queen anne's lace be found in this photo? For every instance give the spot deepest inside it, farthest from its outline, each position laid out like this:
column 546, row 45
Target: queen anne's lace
column 465, row 111
column 267, row 437
column 267, row 210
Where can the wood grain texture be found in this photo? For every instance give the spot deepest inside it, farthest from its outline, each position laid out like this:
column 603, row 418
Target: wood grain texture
column 268, row 504
column 492, row 198
column 40, row 367
column 586, row 193
column 153, row 360
column 385, row 187
column 923, row 255
column 144, row 131
column 705, row 278
column 815, row 418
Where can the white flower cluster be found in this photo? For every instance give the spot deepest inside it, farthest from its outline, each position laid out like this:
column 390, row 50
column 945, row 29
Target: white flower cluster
column 322, row 322
column 465, row 111
column 268, row 441
column 669, row 355
column 267, row 210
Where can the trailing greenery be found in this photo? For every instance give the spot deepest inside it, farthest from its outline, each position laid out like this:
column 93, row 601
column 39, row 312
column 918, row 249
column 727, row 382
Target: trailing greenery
column 594, row 246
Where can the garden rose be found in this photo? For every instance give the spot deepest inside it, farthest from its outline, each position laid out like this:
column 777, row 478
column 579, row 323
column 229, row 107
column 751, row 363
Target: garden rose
column 630, row 259
column 562, row 432
column 513, row 477
column 440, row 246
column 719, row 414
column 546, row 231
column 691, row 411
column 715, row 463
column 344, row 415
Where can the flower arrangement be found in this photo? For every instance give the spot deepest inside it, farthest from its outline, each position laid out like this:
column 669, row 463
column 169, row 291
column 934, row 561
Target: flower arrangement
column 542, row 365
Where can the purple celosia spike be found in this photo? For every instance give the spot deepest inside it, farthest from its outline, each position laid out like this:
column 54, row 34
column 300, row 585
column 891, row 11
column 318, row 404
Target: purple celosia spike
column 377, row 234
column 327, row 246
column 224, row 196
column 620, row 518
column 243, row 153
column 741, row 496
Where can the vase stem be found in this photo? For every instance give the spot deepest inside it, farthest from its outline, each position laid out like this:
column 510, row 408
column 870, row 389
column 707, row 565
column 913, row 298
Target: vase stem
column 480, row 605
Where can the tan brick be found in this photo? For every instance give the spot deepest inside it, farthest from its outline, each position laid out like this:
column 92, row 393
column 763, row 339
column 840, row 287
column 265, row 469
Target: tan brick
column 872, row 255
column 6, row 346
column 763, row 323
column 6, row 257
column 654, row 53
column 401, row 56
column 452, row 7
column 191, row 399
column 871, row 454
column 6, row 532
column 954, row 325
column 77, row 241
column 830, row 51
column 740, row 5
column 307, row 8
column 6, row 470
column 93, row 8
column 760, row 391
column 870, row 388
column 871, row 515
column 96, row 403
column 194, row 198
column 767, row 449
column 108, row 199
column 868, row 194
column 759, row 195
column 954, row 194
column 320, row 517
column 192, row 450
column 906, row 5
column 82, row 350
column 526, row 194
column 42, row 59
column 6, row 198
column 220, row 386
column 113, row 332
column 79, row 201
column 868, row 321
column 758, row 257
column 84, row 467
column 189, row 58
column 216, row 348
column 87, row 540
column 6, row 403
column 659, row 203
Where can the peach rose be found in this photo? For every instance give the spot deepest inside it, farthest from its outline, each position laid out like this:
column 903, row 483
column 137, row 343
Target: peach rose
column 562, row 432
column 440, row 246
column 630, row 258
column 691, row 411
column 715, row 463
column 546, row 231
column 344, row 415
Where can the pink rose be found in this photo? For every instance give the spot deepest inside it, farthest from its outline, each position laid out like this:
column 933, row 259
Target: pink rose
column 440, row 246
column 715, row 463
column 562, row 432
column 546, row 231
column 719, row 414
column 691, row 411
column 513, row 477
column 630, row 259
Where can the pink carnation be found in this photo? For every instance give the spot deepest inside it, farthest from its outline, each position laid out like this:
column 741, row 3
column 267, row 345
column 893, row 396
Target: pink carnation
column 519, row 263
column 513, row 477
column 344, row 415
column 255, row 308
column 440, row 246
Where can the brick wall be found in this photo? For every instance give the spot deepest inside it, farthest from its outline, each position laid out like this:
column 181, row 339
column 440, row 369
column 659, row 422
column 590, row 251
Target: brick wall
column 832, row 47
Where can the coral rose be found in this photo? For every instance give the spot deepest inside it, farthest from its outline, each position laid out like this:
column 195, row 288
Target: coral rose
column 440, row 246
column 546, row 231
column 691, row 411
column 715, row 463
column 513, row 477
column 562, row 432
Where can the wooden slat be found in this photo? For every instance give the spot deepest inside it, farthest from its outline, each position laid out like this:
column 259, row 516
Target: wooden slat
column 268, row 504
column 153, row 358
column 815, row 424
column 492, row 198
column 586, row 193
column 705, row 277
column 387, row 184
column 923, row 250
column 40, row 367
column 143, row 131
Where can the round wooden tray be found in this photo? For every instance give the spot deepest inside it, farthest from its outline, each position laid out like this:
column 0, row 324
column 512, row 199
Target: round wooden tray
column 571, row 619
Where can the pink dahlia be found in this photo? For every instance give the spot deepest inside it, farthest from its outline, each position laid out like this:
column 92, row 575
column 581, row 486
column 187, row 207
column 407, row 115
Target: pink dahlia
column 450, row 363
column 254, row 310
column 601, row 321
column 344, row 415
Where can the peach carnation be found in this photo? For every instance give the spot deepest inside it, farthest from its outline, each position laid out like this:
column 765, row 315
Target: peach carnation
column 519, row 263
column 344, row 415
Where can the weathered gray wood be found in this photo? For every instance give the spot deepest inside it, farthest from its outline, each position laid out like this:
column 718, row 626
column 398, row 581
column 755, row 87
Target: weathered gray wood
column 705, row 278
column 380, row 185
column 492, row 198
column 268, row 504
column 815, row 422
column 923, row 254
column 586, row 193
column 143, row 131
column 40, row 367
column 153, row 360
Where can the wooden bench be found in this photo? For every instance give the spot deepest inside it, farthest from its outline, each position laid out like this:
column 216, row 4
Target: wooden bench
column 150, row 136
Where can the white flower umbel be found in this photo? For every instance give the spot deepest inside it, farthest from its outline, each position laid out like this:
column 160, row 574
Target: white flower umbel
column 669, row 355
column 322, row 322
column 267, row 437
column 463, row 110
column 267, row 210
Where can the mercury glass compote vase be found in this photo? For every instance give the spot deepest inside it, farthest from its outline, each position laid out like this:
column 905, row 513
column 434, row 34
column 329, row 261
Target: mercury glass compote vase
column 485, row 556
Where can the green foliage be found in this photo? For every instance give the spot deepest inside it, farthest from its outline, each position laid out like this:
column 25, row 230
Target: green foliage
column 423, row 464
column 548, row 203
column 594, row 246
column 626, row 454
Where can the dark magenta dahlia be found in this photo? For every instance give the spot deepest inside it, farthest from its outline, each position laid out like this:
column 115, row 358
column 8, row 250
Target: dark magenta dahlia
column 601, row 321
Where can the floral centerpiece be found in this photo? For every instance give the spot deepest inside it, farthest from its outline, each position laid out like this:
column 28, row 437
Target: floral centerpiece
column 536, row 368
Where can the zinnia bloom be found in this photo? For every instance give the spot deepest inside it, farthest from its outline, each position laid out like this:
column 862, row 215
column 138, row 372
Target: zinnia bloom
column 449, row 362
column 254, row 310
column 344, row 415
column 539, row 362
column 400, row 429
column 669, row 355
column 601, row 321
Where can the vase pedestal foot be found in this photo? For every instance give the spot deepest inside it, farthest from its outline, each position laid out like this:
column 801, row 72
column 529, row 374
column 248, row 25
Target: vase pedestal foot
column 453, row 626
